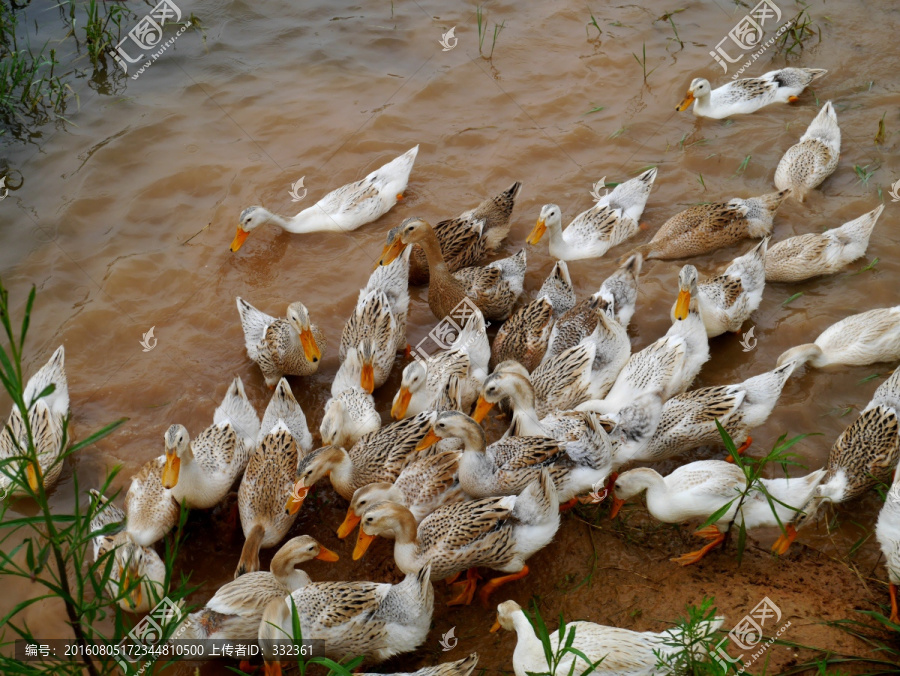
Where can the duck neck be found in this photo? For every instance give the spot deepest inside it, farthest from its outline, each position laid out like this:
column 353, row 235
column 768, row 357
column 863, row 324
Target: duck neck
column 555, row 233
column 528, row 651
column 341, row 472
column 407, row 549
column 284, row 571
column 525, row 420
column 433, row 254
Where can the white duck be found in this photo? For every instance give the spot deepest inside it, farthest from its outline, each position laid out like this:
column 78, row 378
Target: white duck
column 749, row 94
column 887, row 532
column 199, row 472
column 809, row 162
column 699, row 489
column 798, row 258
column 613, row 219
column 620, row 652
column 341, row 210
column 46, row 417
column 671, row 363
column 728, row 300
column 857, row 340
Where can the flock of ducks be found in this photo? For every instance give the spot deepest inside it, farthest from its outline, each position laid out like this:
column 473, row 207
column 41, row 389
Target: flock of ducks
column 581, row 407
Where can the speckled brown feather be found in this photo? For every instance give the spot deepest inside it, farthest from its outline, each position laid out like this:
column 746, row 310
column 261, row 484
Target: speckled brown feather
column 524, row 336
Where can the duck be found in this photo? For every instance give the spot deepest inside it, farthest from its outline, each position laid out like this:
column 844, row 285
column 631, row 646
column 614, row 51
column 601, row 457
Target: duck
column 137, row 578
column 703, row 228
column 291, row 346
column 799, row 258
column 619, row 291
column 494, row 288
column 500, row 533
column 377, row 327
column 524, row 336
column 559, row 383
column 671, row 363
column 199, row 472
column 612, row 347
column 468, row 238
column 688, row 420
column 887, row 532
column 741, row 97
column 47, row 414
column 507, row 466
column 346, row 619
column 702, row 488
column 612, row 220
column 463, row 667
column 558, row 289
column 807, row 163
column 429, row 481
column 341, row 210
column 861, row 339
column 269, row 477
column 613, row 651
column 150, row 509
column 235, row 610
column 728, row 300
column 348, row 416
column 568, row 426
column 377, row 456
column 425, row 380
column 864, row 455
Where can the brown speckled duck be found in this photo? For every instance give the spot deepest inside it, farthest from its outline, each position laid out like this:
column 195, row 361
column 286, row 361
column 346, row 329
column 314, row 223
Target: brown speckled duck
column 493, row 288
column 807, row 163
column 706, row 227
column 468, row 238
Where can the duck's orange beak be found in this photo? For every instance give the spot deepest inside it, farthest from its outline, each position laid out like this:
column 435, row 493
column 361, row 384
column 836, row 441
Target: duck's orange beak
column 367, row 378
column 537, row 232
column 351, row 521
column 136, row 595
column 170, row 470
column 482, row 406
column 239, row 239
column 310, row 346
column 683, row 304
column 685, row 102
column 272, row 668
column 363, row 541
column 401, row 403
column 391, row 251
column 326, row 555
column 496, row 626
column 33, row 474
column 428, row 440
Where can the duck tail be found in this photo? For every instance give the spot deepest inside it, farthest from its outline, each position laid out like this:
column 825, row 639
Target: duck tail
column 538, row 501
column 249, row 561
column 815, row 73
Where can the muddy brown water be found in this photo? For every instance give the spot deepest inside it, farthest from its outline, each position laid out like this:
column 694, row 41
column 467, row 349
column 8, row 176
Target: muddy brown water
column 124, row 220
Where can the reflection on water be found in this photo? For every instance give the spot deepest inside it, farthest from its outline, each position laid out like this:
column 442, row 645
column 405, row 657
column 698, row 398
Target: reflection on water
column 124, row 218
